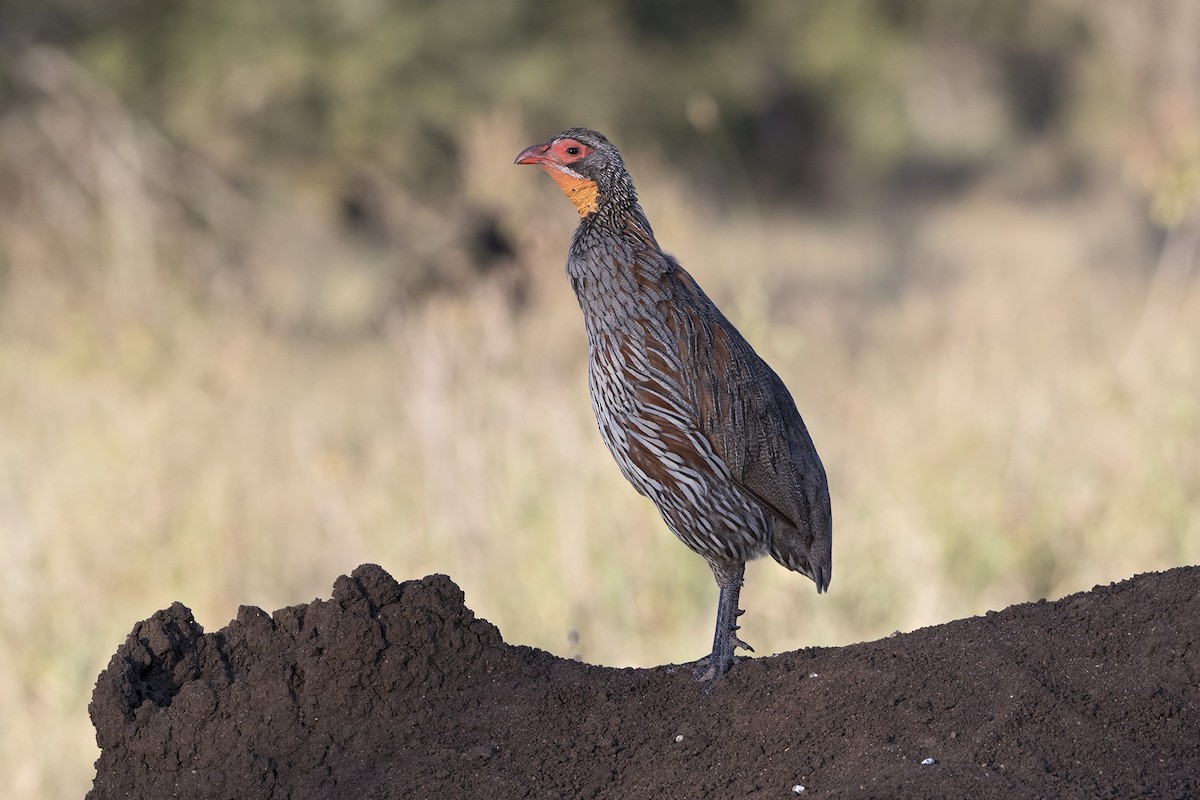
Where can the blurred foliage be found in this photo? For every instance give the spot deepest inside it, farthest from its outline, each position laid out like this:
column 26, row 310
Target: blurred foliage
column 368, row 112
column 360, row 104
column 808, row 94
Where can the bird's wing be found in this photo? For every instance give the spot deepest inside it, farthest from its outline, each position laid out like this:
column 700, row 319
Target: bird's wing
column 747, row 414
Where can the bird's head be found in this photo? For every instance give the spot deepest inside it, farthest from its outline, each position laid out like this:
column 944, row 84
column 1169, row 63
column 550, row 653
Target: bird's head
column 585, row 165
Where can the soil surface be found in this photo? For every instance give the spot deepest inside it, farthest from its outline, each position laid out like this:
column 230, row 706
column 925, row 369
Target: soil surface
column 398, row 690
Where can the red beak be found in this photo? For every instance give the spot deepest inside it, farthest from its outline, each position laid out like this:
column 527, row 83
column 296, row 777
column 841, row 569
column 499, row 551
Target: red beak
column 534, row 154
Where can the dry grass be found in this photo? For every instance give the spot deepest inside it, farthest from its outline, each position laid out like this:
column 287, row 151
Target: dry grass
column 1004, row 394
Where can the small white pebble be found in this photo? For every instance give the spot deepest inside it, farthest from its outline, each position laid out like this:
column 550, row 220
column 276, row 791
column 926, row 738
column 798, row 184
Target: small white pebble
column 812, row 674
column 927, row 761
column 798, row 788
column 679, row 738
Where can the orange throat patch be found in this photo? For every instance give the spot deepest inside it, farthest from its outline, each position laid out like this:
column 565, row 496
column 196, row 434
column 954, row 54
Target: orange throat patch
column 581, row 192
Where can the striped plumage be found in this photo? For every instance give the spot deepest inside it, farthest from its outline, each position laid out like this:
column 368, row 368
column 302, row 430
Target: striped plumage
column 695, row 419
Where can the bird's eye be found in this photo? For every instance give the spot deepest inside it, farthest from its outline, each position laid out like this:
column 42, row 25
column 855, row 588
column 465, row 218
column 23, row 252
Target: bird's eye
column 572, row 151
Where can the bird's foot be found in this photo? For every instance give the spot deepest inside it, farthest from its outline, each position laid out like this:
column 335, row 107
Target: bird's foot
column 706, row 669
column 715, row 664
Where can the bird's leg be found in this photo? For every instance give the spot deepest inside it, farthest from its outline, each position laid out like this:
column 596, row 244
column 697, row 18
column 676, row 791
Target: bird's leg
column 725, row 638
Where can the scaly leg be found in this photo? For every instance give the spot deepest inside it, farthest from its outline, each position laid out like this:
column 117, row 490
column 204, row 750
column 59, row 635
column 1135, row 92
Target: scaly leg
column 725, row 639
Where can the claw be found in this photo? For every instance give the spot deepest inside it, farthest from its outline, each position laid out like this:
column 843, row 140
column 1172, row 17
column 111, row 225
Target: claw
column 739, row 643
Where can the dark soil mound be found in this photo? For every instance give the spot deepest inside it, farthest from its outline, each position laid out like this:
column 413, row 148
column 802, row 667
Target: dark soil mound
column 397, row 690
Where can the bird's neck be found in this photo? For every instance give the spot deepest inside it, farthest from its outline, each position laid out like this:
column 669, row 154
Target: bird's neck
column 615, row 264
column 583, row 193
column 617, row 216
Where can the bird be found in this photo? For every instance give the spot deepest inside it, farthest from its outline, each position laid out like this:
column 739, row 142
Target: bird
column 696, row 420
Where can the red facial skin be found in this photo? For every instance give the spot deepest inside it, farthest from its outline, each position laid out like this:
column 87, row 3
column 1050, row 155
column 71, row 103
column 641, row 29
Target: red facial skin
column 555, row 151
column 555, row 157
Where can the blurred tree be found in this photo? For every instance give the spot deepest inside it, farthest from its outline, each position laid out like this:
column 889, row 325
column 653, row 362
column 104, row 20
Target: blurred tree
column 355, row 103
column 814, row 95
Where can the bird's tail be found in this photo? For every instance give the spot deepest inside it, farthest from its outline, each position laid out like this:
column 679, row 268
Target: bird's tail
column 812, row 558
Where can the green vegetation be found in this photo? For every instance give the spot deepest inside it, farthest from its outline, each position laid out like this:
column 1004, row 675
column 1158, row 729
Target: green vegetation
column 274, row 302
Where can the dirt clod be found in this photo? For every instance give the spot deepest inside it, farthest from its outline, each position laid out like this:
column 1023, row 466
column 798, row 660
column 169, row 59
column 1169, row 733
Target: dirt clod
column 396, row 690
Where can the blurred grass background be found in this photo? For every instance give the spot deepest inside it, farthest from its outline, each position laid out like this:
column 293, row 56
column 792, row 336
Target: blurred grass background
column 274, row 302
